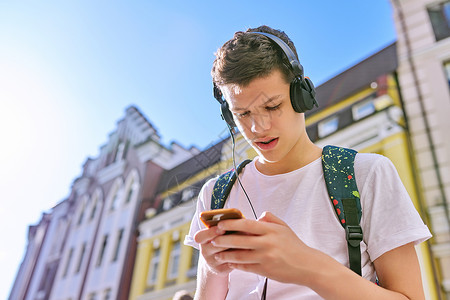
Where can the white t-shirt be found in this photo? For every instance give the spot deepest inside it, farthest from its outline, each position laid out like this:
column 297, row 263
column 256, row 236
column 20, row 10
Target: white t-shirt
column 300, row 199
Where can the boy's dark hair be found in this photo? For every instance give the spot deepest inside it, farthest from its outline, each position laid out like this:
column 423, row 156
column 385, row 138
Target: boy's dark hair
column 248, row 56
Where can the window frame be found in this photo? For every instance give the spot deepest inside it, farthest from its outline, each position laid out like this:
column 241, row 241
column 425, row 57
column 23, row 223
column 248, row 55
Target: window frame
column 358, row 115
column 80, row 258
column 323, row 126
column 173, row 267
column 439, row 15
column 118, row 243
column 101, row 254
column 153, row 268
column 68, row 261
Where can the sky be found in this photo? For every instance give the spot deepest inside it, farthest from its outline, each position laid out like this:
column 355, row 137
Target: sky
column 69, row 69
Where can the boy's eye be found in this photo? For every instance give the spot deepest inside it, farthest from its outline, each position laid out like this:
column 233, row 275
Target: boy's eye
column 273, row 107
column 243, row 115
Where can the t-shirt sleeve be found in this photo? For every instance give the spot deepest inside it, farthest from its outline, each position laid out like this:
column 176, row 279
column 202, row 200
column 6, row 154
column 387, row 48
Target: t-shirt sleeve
column 203, row 204
column 390, row 219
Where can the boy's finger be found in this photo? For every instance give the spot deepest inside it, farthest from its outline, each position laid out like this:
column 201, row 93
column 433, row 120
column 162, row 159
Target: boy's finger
column 251, row 227
column 271, row 218
column 206, row 235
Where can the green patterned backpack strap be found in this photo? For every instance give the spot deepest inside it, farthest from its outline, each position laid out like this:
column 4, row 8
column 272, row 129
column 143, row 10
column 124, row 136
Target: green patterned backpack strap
column 339, row 174
column 223, row 186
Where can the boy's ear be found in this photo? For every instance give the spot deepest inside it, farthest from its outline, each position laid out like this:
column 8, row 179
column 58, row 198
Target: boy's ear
column 224, row 108
column 227, row 115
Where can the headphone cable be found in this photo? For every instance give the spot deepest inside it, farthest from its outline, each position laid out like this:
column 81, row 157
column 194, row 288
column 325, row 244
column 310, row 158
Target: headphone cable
column 263, row 296
column 237, row 175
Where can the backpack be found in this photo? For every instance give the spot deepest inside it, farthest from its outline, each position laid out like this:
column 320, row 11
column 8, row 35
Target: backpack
column 339, row 175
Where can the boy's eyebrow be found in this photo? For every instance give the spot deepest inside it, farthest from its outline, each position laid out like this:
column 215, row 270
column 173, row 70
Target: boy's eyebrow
column 273, row 98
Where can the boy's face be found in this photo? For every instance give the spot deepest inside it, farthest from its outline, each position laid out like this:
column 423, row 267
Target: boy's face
column 263, row 113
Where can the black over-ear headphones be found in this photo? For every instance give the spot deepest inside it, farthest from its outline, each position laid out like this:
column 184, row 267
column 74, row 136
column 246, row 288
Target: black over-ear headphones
column 302, row 90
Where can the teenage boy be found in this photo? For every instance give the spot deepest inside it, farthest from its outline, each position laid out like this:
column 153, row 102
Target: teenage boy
column 297, row 241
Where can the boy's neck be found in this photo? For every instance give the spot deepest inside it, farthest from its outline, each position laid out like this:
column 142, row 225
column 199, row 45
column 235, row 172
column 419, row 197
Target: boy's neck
column 301, row 155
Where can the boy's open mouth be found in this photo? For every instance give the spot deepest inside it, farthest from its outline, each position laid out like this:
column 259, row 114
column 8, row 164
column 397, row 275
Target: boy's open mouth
column 268, row 142
column 267, row 145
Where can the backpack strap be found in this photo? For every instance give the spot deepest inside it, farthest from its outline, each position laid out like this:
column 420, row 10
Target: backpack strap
column 223, row 186
column 339, row 176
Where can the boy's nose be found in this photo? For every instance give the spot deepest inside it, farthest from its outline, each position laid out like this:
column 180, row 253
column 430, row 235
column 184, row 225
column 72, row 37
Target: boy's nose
column 261, row 122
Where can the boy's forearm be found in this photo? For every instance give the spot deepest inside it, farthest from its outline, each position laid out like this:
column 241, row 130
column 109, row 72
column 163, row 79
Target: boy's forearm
column 210, row 285
column 338, row 282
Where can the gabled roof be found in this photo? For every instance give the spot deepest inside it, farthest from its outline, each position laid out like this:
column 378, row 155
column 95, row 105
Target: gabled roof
column 356, row 78
column 190, row 167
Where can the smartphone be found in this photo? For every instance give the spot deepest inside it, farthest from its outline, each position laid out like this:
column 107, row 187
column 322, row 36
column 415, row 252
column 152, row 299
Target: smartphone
column 212, row 217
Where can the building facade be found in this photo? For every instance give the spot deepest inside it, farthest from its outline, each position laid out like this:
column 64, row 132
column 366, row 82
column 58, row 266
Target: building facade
column 164, row 265
column 423, row 30
column 46, row 239
column 85, row 247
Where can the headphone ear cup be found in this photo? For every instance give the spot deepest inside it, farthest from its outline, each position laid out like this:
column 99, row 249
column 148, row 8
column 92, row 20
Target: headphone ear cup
column 227, row 115
column 302, row 95
column 296, row 95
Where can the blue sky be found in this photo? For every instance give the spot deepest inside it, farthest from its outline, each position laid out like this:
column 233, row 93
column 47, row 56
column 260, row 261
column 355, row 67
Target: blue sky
column 68, row 70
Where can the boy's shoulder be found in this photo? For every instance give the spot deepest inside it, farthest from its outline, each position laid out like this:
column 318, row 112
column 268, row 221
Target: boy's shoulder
column 363, row 156
column 370, row 161
column 374, row 169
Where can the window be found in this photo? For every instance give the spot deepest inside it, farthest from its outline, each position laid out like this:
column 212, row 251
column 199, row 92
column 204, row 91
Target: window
column 194, row 258
column 174, row 261
column 80, row 259
column 187, row 194
column 81, row 215
column 153, row 268
column 46, row 282
column 102, row 250
column 94, row 208
column 167, row 204
column 107, row 294
column 92, row 296
column 69, row 258
column 447, row 71
column 440, row 19
column 118, row 242
column 328, row 126
column 115, row 200
column 363, row 109
column 130, row 193
column 192, row 272
column 119, row 152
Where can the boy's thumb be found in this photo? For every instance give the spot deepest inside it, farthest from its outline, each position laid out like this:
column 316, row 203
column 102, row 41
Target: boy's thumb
column 269, row 217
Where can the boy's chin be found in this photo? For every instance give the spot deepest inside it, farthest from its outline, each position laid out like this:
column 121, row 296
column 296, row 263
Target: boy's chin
column 266, row 160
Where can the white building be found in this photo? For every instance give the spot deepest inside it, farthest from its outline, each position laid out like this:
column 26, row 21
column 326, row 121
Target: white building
column 84, row 248
column 423, row 30
column 45, row 242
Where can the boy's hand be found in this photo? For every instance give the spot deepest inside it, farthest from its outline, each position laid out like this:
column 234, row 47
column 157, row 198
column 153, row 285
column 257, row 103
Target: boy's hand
column 269, row 248
column 209, row 251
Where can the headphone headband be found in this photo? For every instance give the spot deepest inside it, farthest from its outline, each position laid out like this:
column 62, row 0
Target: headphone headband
column 302, row 91
column 297, row 68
